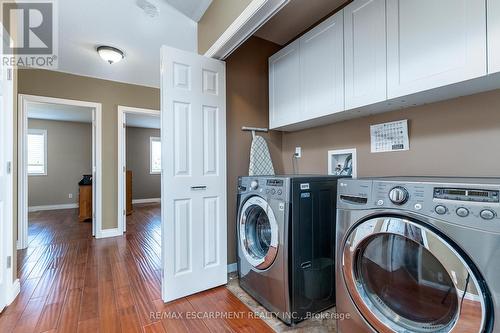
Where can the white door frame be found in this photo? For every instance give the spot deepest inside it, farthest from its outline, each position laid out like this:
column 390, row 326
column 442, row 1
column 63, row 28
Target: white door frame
column 122, row 158
column 9, row 288
column 24, row 101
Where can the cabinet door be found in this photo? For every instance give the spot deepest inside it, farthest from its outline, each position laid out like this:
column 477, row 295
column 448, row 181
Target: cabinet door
column 365, row 53
column 284, row 86
column 434, row 43
column 493, row 36
column 322, row 68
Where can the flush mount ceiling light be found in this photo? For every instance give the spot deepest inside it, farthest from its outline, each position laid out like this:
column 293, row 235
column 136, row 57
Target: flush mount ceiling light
column 110, row 54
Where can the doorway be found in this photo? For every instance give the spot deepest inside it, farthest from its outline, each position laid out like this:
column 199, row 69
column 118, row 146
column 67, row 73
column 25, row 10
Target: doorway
column 139, row 164
column 59, row 154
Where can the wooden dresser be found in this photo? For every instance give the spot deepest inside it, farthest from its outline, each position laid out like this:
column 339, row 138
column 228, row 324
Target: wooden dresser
column 85, row 202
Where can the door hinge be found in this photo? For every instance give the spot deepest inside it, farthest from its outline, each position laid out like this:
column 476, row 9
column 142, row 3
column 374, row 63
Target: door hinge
column 9, row 262
column 124, row 169
column 9, row 167
column 124, row 212
column 9, row 74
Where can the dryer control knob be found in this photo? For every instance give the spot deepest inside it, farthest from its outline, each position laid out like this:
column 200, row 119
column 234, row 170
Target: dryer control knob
column 440, row 209
column 398, row 195
column 487, row 214
column 462, row 212
column 254, row 184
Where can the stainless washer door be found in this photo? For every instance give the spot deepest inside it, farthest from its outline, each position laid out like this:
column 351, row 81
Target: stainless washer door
column 404, row 277
column 258, row 233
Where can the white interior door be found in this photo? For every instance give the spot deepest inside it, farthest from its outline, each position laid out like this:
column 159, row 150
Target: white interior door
column 194, row 218
column 3, row 290
column 6, row 186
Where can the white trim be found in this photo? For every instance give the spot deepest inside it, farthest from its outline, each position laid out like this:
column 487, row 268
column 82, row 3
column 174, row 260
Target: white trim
column 151, row 140
column 106, row 233
column 232, row 267
column 122, row 159
column 15, row 289
column 245, row 25
column 150, row 200
column 43, row 132
column 52, row 207
column 24, row 100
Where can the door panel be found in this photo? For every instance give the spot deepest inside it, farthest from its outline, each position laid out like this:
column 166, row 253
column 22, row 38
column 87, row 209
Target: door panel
column 322, row 68
column 434, row 43
column 194, row 221
column 365, row 53
column 284, row 86
column 493, row 36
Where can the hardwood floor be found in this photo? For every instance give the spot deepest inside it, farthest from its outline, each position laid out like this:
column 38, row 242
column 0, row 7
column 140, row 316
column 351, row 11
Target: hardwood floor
column 71, row 282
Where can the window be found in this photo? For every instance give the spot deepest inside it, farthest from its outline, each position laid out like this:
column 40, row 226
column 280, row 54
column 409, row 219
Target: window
column 37, row 152
column 155, row 154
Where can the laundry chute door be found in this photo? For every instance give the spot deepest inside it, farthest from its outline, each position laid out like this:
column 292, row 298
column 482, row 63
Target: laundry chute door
column 194, row 218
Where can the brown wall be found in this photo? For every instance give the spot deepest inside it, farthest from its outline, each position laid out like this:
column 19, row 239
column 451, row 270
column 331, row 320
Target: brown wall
column 451, row 138
column 144, row 184
column 69, row 157
column 110, row 94
column 247, row 105
column 218, row 17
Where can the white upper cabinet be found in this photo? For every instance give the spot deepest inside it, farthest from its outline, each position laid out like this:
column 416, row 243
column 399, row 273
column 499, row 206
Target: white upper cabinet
column 493, row 36
column 284, row 86
column 434, row 43
column 365, row 53
column 322, row 69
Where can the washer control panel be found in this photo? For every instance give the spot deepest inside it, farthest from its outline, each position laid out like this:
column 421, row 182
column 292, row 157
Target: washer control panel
column 272, row 188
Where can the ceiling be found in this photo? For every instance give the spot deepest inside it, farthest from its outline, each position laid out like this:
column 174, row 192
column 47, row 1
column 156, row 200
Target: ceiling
column 295, row 18
column 60, row 112
column 137, row 120
column 83, row 25
column 194, row 9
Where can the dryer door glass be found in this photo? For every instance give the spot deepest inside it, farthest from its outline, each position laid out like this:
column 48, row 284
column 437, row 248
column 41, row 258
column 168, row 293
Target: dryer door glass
column 405, row 277
column 258, row 232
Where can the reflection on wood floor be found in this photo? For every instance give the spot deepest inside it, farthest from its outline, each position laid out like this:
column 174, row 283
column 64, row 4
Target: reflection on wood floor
column 71, row 282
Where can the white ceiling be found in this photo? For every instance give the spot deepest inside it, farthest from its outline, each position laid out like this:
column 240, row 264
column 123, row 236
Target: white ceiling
column 59, row 112
column 137, row 120
column 194, row 9
column 295, row 18
column 83, row 25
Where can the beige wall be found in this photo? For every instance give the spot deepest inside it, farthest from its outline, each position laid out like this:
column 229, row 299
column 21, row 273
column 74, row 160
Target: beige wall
column 216, row 20
column 451, row 138
column 69, row 157
column 144, row 184
column 110, row 94
column 247, row 105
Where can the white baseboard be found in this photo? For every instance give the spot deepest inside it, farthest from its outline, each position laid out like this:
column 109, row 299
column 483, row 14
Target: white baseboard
column 232, row 267
column 52, row 207
column 106, row 233
column 150, row 200
column 15, row 289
